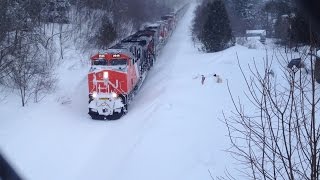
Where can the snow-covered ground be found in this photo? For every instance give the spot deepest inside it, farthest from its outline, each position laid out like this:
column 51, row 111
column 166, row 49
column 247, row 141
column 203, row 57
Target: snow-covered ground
column 174, row 129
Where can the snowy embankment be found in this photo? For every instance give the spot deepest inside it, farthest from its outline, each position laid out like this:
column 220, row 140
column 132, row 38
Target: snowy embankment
column 173, row 130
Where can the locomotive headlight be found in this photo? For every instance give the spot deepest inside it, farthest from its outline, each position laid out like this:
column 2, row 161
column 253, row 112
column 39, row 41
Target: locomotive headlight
column 114, row 95
column 105, row 75
column 94, row 94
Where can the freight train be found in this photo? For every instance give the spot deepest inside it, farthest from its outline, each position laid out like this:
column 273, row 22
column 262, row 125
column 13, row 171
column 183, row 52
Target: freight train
column 116, row 75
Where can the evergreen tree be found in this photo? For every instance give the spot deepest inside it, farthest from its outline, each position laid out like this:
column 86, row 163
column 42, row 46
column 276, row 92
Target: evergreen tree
column 216, row 33
column 292, row 26
column 107, row 33
column 246, row 11
column 299, row 31
column 4, row 25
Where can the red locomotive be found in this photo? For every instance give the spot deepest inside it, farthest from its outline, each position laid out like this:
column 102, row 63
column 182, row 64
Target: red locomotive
column 117, row 74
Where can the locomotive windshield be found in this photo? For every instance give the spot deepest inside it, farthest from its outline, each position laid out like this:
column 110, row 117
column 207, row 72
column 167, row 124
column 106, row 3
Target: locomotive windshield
column 101, row 62
column 118, row 62
column 112, row 62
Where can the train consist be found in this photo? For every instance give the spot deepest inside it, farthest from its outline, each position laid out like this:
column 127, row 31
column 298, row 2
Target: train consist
column 116, row 75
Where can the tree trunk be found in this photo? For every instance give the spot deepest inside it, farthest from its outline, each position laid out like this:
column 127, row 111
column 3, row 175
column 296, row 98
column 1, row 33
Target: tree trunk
column 317, row 70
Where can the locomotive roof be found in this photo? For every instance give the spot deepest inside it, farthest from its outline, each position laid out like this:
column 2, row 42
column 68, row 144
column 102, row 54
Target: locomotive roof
column 152, row 28
column 119, row 48
column 163, row 22
column 130, row 41
column 117, row 51
column 167, row 17
column 146, row 32
column 109, row 53
column 140, row 37
column 153, row 25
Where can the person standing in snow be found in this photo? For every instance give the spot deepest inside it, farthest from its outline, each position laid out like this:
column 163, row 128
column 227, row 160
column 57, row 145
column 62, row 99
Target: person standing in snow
column 202, row 79
column 218, row 78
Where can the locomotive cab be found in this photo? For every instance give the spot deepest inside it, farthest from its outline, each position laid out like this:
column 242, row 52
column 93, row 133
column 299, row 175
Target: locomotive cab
column 108, row 85
column 113, row 61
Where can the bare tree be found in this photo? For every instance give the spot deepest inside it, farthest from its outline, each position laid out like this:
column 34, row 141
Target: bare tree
column 31, row 69
column 4, row 61
column 278, row 137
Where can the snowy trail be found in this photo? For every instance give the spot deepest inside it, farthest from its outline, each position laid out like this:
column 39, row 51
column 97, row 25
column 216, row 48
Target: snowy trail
column 156, row 140
column 149, row 118
column 173, row 129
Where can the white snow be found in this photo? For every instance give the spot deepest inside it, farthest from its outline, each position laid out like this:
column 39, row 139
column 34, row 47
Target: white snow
column 173, row 130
